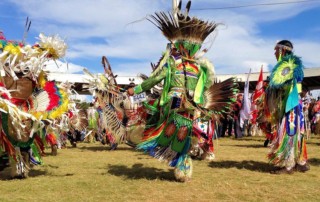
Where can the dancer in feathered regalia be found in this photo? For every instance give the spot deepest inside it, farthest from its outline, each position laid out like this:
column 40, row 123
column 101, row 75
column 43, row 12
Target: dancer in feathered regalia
column 284, row 107
column 188, row 91
column 107, row 105
column 120, row 121
column 93, row 118
column 27, row 97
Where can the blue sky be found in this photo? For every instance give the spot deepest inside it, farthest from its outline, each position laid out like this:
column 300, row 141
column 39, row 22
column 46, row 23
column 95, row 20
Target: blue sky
column 118, row 29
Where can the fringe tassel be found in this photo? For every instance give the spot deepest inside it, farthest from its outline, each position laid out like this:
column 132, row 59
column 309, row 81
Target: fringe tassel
column 21, row 166
column 166, row 154
column 149, row 145
column 7, row 146
column 34, row 155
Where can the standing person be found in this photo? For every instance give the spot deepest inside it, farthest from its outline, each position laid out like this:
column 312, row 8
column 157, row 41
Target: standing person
column 238, row 133
column 288, row 147
column 306, row 100
column 93, row 117
column 226, row 122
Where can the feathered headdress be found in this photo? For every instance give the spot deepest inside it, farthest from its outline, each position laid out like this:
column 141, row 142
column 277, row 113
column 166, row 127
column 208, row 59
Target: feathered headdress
column 178, row 26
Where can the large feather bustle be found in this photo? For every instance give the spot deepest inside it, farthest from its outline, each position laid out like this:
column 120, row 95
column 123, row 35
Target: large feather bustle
column 50, row 101
column 288, row 68
column 79, row 120
column 220, row 96
column 176, row 26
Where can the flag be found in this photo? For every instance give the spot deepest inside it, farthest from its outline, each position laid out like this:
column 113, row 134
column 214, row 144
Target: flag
column 257, row 94
column 245, row 112
column 259, row 88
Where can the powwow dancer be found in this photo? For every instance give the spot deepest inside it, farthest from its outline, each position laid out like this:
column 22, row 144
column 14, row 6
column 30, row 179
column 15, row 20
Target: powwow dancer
column 93, row 118
column 58, row 124
column 120, row 121
column 27, row 97
column 187, row 90
column 288, row 146
column 104, row 94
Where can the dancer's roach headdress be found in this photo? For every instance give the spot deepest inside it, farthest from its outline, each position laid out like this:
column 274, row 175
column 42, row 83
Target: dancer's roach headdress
column 181, row 29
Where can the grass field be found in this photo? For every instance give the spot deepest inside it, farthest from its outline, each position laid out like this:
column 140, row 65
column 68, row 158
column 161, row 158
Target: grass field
column 90, row 172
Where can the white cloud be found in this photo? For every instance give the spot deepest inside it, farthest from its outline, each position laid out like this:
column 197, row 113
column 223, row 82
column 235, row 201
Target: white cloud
column 123, row 33
column 126, row 69
column 255, row 66
column 309, row 51
column 82, row 98
column 59, row 66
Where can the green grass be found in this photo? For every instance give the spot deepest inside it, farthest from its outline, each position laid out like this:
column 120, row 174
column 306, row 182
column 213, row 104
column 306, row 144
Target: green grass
column 90, row 172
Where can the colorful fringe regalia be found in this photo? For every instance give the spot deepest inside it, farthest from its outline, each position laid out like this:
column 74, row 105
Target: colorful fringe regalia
column 288, row 146
column 22, row 65
column 17, row 135
column 188, row 90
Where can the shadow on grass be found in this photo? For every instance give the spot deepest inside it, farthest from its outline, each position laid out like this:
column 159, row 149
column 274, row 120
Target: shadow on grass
column 137, row 171
column 105, row 148
column 32, row 173
column 142, row 154
column 62, row 175
column 315, row 143
column 248, row 165
column 250, row 138
column 314, row 161
column 52, row 166
column 35, row 173
column 50, row 154
column 250, row 146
